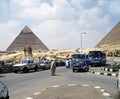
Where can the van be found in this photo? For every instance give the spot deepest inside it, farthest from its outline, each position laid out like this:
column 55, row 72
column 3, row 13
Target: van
column 80, row 61
column 97, row 58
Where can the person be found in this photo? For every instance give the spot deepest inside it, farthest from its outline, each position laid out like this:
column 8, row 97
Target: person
column 67, row 63
column 2, row 66
column 53, row 67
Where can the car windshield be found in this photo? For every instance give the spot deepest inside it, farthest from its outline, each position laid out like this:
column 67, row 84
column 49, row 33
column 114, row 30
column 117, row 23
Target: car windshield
column 42, row 62
column 24, row 61
column 96, row 54
column 79, row 56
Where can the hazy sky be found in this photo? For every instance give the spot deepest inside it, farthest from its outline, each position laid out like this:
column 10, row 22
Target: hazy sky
column 59, row 23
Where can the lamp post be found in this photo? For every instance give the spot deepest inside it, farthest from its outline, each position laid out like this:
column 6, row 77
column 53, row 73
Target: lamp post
column 81, row 40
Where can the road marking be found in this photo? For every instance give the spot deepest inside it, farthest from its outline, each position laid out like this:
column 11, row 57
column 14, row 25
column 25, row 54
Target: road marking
column 105, row 73
column 55, row 86
column 29, row 98
column 85, row 85
column 98, row 73
column 106, row 94
column 43, row 89
column 97, row 87
column 72, row 84
column 37, row 93
column 113, row 74
column 102, row 90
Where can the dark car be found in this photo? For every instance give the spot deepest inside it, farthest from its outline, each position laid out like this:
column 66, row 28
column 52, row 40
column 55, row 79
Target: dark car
column 97, row 58
column 80, row 61
column 4, row 93
column 81, row 66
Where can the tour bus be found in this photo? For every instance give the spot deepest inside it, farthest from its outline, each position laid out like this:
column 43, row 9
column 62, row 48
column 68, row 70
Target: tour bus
column 97, row 58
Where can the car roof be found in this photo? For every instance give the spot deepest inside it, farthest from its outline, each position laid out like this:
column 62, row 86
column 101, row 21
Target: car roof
column 27, row 59
column 79, row 54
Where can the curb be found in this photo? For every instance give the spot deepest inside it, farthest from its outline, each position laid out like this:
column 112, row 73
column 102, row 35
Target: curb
column 103, row 92
column 101, row 73
column 107, row 69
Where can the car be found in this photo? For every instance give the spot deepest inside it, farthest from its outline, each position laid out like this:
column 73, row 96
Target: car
column 80, row 61
column 25, row 65
column 80, row 66
column 44, row 65
column 4, row 93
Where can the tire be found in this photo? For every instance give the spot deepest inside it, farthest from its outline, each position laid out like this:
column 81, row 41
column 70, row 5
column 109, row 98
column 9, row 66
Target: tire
column 36, row 68
column 7, row 95
column 86, row 70
column 25, row 70
column 44, row 68
column 16, row 71
column 73, row 70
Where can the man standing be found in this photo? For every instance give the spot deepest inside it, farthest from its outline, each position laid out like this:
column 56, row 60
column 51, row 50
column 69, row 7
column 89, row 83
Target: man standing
column 53, row 67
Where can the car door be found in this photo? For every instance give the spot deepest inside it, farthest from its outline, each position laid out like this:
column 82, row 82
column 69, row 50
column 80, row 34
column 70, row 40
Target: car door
column 3, row 90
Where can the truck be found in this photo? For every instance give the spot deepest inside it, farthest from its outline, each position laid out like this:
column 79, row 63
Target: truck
column 80, row 61
column 25, row 65
column 97, row 58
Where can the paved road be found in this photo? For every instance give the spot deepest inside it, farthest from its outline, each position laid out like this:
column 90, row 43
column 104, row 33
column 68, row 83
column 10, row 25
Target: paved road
column 23, row 85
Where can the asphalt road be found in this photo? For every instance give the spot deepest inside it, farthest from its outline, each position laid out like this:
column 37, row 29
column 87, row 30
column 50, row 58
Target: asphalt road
column 23, row 85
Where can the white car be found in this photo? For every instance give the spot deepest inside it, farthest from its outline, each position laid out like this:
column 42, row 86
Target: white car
column 4, row 93
column 25, row 65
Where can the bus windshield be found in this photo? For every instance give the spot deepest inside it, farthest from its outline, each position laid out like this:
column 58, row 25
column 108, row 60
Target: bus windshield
column 96, row 54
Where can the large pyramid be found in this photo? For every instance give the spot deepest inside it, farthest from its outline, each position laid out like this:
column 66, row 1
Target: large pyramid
column 26, row 38
column 112, row 38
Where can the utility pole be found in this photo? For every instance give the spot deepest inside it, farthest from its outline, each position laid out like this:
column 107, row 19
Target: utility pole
column 81, row 40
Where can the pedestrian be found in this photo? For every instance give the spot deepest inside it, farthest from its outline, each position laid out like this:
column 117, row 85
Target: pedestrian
column 53, row 67
column 67, row 63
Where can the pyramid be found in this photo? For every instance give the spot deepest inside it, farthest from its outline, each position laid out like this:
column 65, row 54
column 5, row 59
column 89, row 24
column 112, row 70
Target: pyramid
column 112, row 38
column 26, row 38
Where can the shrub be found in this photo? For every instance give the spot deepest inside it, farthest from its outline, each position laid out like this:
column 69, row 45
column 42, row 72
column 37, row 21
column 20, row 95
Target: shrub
column 114, row 67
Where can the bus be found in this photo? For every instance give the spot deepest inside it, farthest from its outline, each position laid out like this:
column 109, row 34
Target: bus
column 97, row 58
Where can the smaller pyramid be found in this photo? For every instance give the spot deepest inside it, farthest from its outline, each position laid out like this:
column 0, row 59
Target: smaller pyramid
column 26, row 38
column 112, row 38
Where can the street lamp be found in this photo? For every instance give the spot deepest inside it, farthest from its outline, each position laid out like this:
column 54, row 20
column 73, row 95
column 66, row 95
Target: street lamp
column 81, row 40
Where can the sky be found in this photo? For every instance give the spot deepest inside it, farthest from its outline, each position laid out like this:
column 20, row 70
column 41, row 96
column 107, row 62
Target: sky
column 59, row 23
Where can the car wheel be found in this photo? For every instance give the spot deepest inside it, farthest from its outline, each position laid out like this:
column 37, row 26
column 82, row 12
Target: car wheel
column 73, row 70
column 86, row 70
column 36, row 68
column 44, row 67
column 7, row 95
column 25, row 70
column 16, row 71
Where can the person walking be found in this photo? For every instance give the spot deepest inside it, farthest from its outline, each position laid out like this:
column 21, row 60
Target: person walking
column 53, row 67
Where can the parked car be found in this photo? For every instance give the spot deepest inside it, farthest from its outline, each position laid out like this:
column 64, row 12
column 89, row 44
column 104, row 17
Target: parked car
column 97, row 58
column 81, row 66
column 44, row 65
column 80, row 61
column 25, row 65
column 4, row 93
